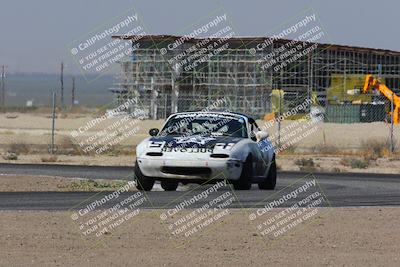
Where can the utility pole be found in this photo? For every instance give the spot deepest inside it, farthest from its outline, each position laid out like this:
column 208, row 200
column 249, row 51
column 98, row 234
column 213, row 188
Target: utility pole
column 62, row 85
column 73, row 90
column 3, row 95
column 53, row 117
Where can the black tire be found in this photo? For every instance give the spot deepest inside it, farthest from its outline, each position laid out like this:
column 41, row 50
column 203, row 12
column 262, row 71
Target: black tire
column 169, row 185
column 143, row 183
column 270, row 182
column 244, row 182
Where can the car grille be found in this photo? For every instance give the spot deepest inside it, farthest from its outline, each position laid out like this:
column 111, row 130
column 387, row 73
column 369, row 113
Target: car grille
column 197, row 171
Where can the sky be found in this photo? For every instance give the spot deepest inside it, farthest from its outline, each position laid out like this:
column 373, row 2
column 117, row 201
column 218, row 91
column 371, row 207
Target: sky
column 35, row 34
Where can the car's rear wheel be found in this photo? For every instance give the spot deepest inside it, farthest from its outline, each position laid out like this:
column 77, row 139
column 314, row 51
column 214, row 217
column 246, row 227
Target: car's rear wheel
column 169, row 185
column 244, row 182
column 270, row 182
column 143, row 183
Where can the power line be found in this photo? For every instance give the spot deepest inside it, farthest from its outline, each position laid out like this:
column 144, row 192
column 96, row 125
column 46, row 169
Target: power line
column 62, row 85
column 73, row 91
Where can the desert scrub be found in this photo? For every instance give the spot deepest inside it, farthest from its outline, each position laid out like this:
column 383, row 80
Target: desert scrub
column 92, row 185
column 67, row 146
column 306, row 164
column 7, row 132
column 325, row 149
column 49, row 158
column 289, row 149
column 10, row 156
column 355, row 163
column 18, row 148
column 375, row 148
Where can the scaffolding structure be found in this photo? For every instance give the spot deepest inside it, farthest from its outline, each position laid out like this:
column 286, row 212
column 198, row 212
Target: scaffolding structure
column 237, row 76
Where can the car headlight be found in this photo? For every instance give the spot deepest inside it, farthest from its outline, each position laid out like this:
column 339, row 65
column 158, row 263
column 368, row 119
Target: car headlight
column 141, row 147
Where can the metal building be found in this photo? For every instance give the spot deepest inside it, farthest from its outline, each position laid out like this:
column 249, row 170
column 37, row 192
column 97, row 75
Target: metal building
column 245, row 76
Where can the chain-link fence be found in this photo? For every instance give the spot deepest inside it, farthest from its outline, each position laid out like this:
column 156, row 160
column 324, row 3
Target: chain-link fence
column 239, row 78
column 336, row 127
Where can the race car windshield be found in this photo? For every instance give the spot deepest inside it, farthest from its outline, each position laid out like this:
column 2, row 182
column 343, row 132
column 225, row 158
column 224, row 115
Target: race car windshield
column 205, row 125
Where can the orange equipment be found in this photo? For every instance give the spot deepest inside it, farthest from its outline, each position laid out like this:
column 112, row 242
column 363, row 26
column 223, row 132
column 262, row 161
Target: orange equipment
column 371, row 82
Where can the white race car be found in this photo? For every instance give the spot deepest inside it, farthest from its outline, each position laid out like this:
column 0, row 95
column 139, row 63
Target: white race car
column 205, row 147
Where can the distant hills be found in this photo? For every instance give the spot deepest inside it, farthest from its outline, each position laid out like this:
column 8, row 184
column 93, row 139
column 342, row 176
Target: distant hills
column 22, row 87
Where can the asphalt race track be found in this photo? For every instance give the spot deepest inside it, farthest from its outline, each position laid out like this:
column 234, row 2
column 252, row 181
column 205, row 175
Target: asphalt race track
column 340, row 189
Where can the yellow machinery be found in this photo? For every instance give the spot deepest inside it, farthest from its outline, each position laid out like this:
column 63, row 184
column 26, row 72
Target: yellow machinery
column 371, row 82
column 338, row 91
column 276, row 103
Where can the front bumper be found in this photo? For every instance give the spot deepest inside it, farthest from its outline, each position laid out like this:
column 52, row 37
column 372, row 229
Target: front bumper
column 191, row 169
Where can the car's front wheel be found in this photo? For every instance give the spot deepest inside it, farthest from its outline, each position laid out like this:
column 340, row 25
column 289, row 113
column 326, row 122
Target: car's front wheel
column 169, row 185
column 244, row 182
column 270, row 181
column 143, row 183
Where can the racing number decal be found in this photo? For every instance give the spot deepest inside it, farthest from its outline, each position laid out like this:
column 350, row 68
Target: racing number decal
column 227, row 146
column 155, row 144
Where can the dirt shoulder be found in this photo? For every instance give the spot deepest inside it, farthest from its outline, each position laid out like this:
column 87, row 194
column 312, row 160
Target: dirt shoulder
column 342, row 236
column 34, row 183
column 98, row 160
column 348, row 163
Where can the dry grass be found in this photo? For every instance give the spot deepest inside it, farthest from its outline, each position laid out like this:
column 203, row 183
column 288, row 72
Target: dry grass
column 19, row 148
column 68, row 147
column 375, row 148
column 8, row 132
column 10, row 156
column 92, row 185
column 322, row 149
column 355, row 163
column 116, row 151
column 336, row 170
column 49, row 158
column 289, row 150
column 307, row 165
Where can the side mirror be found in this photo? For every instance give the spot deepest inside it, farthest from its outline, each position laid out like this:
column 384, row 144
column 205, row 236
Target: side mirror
column 154, row 131
column 261, row 135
